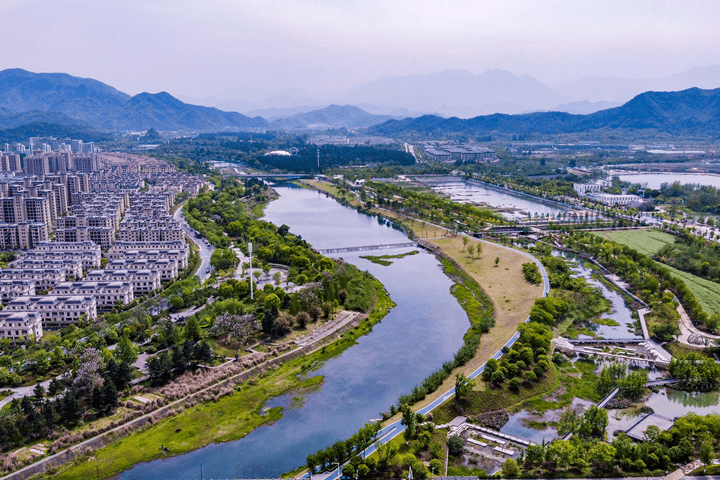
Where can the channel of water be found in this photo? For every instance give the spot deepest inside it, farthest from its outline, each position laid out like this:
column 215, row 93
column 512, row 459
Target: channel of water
column 412, row 341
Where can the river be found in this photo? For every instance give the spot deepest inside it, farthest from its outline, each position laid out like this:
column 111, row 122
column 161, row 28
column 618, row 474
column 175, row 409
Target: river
column 424, row 330
column 655, row 180
column 518, row 208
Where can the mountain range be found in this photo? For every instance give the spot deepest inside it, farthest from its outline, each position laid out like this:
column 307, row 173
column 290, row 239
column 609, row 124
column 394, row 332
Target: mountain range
column 688, row 111
column 69, row 100
column 44, row 103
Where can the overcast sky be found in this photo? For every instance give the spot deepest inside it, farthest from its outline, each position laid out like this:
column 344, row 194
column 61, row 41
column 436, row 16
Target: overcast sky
column 253, row 49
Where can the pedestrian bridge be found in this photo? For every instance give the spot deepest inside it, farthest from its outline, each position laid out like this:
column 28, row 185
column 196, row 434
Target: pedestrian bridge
column 380, row 246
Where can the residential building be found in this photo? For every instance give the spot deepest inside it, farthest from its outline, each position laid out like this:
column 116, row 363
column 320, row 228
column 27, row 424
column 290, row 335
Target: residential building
column 10, row 289
column 57, row 311
column 143, row 281
column 106, row 294
column 20, row 325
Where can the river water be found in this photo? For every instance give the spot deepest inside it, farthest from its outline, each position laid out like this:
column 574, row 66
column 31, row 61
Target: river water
column 464, row 191
column 655, row 180
column 413, row 340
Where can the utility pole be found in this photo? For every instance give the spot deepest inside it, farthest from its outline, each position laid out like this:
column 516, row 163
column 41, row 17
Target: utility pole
column 251, row 272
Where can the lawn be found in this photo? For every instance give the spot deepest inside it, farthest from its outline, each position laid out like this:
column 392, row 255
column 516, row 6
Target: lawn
column 505, row 284
column 333, row 190
column 707, row 293
column 647, row 242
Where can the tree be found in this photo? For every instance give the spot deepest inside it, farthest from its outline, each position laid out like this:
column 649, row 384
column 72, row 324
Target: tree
column 409, row 420
column 593, row 423
column 465, row 242
column 471, row 250
column 71, row 408
column 363, row 470
column 569, row 422
column 38, row 392
column 176, row 303
column 478, row 249
column 455, row 445
column 706, row 451
column 437, row 467
column 192, row 329
column 497, row 261
column 109, row 396
column 463, row 385
column 510, row 468
column 126, row 351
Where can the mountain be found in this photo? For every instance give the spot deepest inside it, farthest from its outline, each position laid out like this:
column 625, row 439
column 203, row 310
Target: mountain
column 689, row 111
column 457, row 92
column 333, row 116
column 584, row 107
column 612, row 89
column 62, row 99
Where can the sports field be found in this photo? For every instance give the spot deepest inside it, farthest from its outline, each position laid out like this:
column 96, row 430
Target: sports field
column 647, row 242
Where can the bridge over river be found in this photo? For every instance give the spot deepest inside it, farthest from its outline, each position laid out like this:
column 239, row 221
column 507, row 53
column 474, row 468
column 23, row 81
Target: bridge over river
column 381, row 246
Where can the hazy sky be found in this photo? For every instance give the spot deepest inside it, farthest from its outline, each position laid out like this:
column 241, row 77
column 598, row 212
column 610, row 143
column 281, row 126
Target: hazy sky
column 253, row 49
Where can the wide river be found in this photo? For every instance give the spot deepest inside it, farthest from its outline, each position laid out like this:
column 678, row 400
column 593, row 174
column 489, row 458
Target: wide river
column 424, row 330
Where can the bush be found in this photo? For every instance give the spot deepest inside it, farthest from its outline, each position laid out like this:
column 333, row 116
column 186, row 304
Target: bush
column 455, row 445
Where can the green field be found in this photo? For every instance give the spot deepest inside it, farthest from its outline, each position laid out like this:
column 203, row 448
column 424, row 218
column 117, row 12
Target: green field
column 647, row 242
column 707, row 293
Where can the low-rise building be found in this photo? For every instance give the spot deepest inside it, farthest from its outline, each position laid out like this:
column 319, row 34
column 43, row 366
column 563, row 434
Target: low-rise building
column 143, row 281
column 613, row 199
column 57, row 311
column 10, row 289
column 44, row 278
column 20, row 325
column 73, row 268
column 167, row 268
column 586, row 188
column 107, row 294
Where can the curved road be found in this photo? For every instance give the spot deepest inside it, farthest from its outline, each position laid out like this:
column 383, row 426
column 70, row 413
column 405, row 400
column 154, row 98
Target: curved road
column 396, row 428
column 205, row 249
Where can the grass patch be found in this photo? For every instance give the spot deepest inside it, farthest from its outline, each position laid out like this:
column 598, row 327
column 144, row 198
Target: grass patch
column 707, row 293
column 606, row 321
column 647, row 242
column 230, row 418
column 384, row 259
column 328, row 187
column 484, row 399
column 576, row 380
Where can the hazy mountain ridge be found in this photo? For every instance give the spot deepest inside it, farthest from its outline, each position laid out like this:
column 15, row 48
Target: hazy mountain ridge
column 68, row 100
column 687, row 111
column 333, row 116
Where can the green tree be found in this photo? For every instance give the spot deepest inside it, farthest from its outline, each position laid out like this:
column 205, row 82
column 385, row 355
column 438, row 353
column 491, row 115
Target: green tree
column 126, row 351
column 455, row 445
column 510, row 468
column 497, row 261
column 471, row 250
column 463, row 385
column 192, row 329
column 410, row 421
column 272, row 302
column 593, row 423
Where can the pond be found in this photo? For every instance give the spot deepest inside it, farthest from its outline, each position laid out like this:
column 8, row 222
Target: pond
column 412, row 341
column 468, row 191
column 655, row 180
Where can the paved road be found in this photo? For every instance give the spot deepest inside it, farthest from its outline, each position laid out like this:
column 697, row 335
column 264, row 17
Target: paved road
column 205, row 248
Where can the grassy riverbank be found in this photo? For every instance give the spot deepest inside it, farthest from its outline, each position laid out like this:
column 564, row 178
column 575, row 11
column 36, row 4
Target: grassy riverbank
column 230, row 418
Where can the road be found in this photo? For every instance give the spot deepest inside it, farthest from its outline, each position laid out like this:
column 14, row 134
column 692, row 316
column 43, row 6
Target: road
column 205, row 249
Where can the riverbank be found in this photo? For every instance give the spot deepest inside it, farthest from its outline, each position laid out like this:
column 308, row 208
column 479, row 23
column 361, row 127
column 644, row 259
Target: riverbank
column 229, row 418
column 512, row 297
